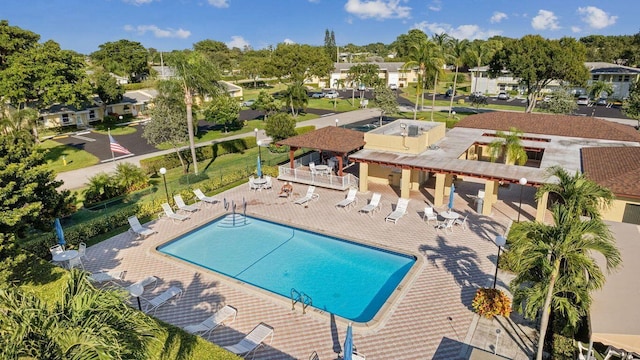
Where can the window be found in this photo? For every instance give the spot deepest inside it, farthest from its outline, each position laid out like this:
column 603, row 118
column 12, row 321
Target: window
column 626, row 78
column 595, row 77
column 65, row 118
column 92, row 114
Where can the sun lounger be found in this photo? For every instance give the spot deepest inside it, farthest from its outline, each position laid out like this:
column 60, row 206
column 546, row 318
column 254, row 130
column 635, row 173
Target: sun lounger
column 165, row 297
column 138, row 229
column 182, row 206
column 400, row 210
column 310, row 196
column 202, row 197
column 111, row 277
column 349, row 200
column 218, row 318
column 373, row 205
column 171, row 214
column 144, row 282
column 252, row 341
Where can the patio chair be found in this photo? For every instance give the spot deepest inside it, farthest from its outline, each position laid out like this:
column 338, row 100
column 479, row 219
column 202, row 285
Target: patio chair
column 349, row 200
column 82, row 250
column 149, row 280
column 171, row 214
column 311, row 195
column 312, row 168
column 165, row 297
column 445, row 225
column 429, row 214
column 107, row 277
column 75, row 262
column 253, row 340
column 357, row 356
column 462, row 222
column 373, row 205
column 56, row 249
column 268, row 184
column 400, row 210
column 252, row 184
column 138, row 229
column 582, row 350
column 219, row 318
column 205, row 199
column 182, row 206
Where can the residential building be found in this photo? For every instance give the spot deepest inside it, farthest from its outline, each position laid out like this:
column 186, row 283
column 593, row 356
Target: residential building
column 389, row 73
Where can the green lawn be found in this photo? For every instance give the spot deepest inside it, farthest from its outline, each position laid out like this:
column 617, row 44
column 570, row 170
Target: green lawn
column 118, row 130
column 58, row 153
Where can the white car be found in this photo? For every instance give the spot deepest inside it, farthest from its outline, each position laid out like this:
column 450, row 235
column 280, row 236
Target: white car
column 393, row 86
column 331, row 94
column 583, row 100
column 503, row 95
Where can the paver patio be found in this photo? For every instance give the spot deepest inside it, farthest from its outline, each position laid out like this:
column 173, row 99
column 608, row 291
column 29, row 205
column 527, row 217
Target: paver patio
column 431, row 319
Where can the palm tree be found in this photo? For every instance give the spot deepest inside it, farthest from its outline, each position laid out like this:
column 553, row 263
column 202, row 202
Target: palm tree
column 597, row 88
column 197, row 76
column 420, row 55
column 555, row 268
column 296, row 97
column 510, row 146
column 438, row 60
column 477, row 55
column 85, row 323
column 459, row 49
column 19, row 123
column 130, row 177
column 578, row 193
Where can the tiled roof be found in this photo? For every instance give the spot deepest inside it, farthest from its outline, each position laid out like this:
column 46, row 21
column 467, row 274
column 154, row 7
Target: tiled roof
column 617, row 168
column 560, row 125
column 330, row 138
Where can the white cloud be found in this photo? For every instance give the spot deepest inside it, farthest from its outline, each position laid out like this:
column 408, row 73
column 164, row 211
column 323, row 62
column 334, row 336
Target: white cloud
column 288, row 41
column 436, row 5
column 157, row 32
column 576, row 29
column 377, row 9
column 138, row 2
column 469, row 32
column 219, row 3
column 498, row 17
column 237, row 42
column 596, row 18
column 545, row 20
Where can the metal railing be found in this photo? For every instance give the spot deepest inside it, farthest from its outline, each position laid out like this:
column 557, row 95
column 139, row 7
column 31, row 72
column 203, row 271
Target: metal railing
column 306, row 176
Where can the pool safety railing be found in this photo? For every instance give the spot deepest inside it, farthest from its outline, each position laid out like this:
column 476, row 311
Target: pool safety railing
column 300, row 297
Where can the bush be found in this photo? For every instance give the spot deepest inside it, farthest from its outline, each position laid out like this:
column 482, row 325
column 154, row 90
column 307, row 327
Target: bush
column 491, row 302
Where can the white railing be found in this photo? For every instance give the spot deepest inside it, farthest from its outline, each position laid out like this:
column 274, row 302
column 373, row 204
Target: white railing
column 305, row 176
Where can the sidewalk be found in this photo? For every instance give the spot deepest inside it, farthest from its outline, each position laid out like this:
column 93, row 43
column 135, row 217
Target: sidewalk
column 78, row 178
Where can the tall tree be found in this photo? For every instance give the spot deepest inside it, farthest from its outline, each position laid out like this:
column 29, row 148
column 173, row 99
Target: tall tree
column 404, row 42
column 280, row 126
column 440, row 58
column 254, row 64
column 85, row 323
column 123, row 57
column 555, row 268
column 363, row 75
column 459, row 49
column 225, row 110
column 107, row 88
column 479, row 53
column 196, row 76
column 297, row 63
column 296, row 97
column 386, row 100
column 14, row 39
column 509, row 146
column 330, row 45
column 266, row 103
column 421, row 55
column 538, row 61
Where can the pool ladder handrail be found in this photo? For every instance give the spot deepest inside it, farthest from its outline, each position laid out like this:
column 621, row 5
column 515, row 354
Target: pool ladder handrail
column 300, row 297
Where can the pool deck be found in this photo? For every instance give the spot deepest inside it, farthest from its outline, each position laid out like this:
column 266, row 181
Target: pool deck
column 432, row 317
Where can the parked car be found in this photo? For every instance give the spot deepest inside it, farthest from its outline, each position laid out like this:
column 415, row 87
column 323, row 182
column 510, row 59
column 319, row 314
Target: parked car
column 248, row 103
column 316, row 95
column 503, row 95
column 448, row 93
column 393, row 86
column 601, row 102
column 583, row 100
column 331, row 94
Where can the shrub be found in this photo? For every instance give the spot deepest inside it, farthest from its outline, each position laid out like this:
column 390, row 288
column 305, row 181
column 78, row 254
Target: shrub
column 491, row 302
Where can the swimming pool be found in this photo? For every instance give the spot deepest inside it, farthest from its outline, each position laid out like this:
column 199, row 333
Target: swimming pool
column 349, row 280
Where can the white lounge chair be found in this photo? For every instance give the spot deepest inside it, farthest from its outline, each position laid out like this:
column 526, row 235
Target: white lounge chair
column 349, row 200
column 205, row 199
column 144, row 282
column 358, row 356
column 182, row 206
column 138, row 229
column 206, row 327
column 107, row 277
column 582, row 350
column 156, row 302
column 429, row 214
column 253, row 340
column 171, row 214
column 373, row 205
column 400, row 210
column 311, row 195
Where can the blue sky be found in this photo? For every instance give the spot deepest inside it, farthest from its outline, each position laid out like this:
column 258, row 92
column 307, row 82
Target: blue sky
column 82, row 25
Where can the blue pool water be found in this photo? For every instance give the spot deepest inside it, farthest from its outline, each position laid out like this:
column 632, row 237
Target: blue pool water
column 344, row 278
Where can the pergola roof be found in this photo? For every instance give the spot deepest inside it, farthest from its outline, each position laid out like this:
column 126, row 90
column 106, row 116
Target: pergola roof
column 330, row 138
column 617, row 168
column 560, row 125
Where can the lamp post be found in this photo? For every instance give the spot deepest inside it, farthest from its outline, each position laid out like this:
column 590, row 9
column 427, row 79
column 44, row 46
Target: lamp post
column 500, row 241
column 163, row 171
column 255, row 131
column 136, row 290
column 259, row 142
column 522, row 182
column 337, row 122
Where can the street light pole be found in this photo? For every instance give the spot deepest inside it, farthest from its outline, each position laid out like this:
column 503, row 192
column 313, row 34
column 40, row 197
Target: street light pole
column 259, row 153
column 337, row 122
column 500, row 241
column 163, row 171
column 522, row 182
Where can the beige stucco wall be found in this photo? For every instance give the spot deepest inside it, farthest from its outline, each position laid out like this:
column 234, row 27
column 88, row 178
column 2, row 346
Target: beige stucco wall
column 616, row 211
column 404, row 144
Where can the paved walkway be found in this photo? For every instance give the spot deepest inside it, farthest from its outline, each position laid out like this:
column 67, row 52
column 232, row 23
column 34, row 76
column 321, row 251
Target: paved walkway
column 431, row 317
column 78, row 178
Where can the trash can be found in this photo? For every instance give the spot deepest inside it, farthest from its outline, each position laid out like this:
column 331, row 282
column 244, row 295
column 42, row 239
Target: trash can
column 479, row 205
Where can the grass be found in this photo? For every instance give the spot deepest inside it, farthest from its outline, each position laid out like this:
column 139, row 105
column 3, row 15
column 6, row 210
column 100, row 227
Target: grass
column 58, row 153
column 118, row 130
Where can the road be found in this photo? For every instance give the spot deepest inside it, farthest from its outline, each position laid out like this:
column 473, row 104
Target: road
column 78, row 178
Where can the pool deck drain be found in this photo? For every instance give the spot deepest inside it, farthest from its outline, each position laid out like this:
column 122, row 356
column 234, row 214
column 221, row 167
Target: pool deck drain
column 432, row 320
